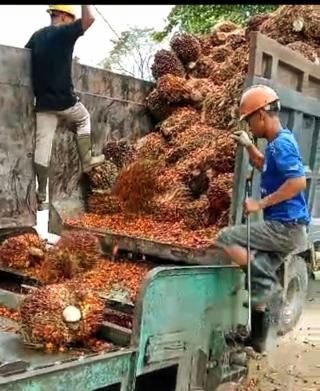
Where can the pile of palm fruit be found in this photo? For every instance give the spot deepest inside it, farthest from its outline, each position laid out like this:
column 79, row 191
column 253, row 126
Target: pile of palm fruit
column 22, row 251
column 175, row 174
column 174, row 185
column 66, row 310
column 60, row 315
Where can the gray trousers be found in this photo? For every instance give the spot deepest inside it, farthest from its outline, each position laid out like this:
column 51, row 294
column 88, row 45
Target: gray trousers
column 76, row 116
column 270, row 242
column 267, row 236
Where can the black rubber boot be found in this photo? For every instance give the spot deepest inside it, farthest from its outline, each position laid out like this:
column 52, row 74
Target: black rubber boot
column 42, row 177
column 263, row 335
column 259, row 331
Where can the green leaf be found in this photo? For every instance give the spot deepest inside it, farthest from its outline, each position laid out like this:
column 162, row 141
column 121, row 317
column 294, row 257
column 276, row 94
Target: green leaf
column 199, row 19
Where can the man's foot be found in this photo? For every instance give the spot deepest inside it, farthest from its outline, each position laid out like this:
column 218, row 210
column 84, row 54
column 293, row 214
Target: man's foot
column 88, row 161
column 42, row 204
column 93, row 162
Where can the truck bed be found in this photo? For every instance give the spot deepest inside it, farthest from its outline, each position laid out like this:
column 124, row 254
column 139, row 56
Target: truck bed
column 156, row 249
column 19, row 359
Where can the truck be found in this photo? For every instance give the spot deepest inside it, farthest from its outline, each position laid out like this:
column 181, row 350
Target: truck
column 188, row 311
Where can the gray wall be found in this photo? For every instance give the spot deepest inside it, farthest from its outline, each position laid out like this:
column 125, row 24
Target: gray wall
column 17, row 186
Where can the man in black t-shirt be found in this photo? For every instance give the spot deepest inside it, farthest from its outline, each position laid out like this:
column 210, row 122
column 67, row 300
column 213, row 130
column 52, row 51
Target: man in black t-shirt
column 51, row 58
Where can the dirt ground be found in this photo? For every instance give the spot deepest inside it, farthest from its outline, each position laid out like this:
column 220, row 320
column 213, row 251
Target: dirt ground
column 294, row 365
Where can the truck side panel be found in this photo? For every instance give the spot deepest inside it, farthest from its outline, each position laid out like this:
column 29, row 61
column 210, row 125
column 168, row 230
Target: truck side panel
column 17, row 190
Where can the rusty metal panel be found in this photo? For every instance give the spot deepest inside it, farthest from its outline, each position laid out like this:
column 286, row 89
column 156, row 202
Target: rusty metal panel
column 297, row 82
column 17, row 132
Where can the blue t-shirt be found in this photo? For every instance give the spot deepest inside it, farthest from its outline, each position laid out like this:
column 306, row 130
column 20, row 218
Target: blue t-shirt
column 283, row 161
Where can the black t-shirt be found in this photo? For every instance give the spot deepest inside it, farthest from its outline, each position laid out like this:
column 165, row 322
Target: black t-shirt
column 51, row 57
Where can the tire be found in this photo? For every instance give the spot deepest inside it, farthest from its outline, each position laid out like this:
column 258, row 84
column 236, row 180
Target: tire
column 294, row 294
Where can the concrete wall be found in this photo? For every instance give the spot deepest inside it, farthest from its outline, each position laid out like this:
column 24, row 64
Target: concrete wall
column 117, row 107
column 17, row 189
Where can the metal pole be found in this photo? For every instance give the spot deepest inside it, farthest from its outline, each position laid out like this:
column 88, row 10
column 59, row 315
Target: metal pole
column 249, row 194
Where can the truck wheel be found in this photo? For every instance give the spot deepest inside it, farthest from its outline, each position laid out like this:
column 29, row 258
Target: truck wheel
column 294, row 294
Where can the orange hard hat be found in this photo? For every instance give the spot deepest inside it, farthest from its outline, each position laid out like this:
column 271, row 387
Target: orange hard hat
column 255, row 98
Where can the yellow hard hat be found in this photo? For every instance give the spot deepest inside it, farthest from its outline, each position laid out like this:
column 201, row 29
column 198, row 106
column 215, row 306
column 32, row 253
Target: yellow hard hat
column 68, row 9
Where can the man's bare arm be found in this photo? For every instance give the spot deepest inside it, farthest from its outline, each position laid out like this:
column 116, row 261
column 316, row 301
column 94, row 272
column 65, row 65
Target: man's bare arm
column 87, row 16
column 256, row 156
column 288, row 190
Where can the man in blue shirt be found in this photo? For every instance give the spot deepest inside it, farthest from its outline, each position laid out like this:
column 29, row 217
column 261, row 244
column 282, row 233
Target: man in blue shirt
column 283, row 202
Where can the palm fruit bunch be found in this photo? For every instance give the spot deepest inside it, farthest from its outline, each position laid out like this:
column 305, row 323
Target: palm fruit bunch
column 60, row 315
column 74, row 253
column 204, row 67
column 219, row 195
column 311, row 53
column 178, row 122
column 220, row 53
column 150, row 147
column 173, row 89
column 200, row 88
column 186, row 47
column 225, row 26
column 166, row 62
column 120, row 152
column 137, row 184
column 158, row 107
column 22, row 251
column 195, row 214
column 290, row 23
column 255, row 22
column 103, row 176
